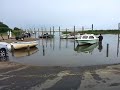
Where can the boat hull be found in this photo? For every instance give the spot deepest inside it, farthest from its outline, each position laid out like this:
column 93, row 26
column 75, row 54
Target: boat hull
column 20, row 45
column 90, row 41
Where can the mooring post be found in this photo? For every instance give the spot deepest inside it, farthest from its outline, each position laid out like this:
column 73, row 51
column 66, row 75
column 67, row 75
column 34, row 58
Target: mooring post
column 35, row 32
column 50, row 30
column 92, row 27
column 118, row 45
column 66, row 34
column 107, row 53
column 59, row 30
column 74, row 32
column 53, row 30
column 38, row 32
column 42, row 33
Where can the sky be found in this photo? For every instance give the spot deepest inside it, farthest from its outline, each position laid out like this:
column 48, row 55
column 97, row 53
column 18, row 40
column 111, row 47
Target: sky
column 103, row 14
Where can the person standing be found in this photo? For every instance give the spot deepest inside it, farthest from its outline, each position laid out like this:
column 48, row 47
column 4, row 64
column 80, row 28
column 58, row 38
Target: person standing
column 100, row 38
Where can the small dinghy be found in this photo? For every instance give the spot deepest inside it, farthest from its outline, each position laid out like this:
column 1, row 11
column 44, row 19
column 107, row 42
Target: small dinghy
column 20, row 45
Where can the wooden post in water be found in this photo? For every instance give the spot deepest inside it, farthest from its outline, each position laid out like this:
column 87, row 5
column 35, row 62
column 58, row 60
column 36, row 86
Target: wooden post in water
column 35, row 32
column 74, row 37
column 50, row 30
column 107, row 53
column 42, row 33
column 53, row 30
column 66, row 34
column 92, row 27
column 74, row 32
column 12, row 50
column 59, row 30
column 28, row 49
column 38, row 32
column 82, row 29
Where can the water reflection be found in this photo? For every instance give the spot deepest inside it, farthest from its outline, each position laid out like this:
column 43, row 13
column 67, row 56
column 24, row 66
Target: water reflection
column 85, row 48
column 100, row 47
column 43, row 50
column 24, row 52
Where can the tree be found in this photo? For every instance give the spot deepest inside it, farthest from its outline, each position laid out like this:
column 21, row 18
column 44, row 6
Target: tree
column 4, row 28
column 15, row 28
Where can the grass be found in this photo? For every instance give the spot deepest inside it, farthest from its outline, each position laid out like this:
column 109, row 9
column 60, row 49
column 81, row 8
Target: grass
column 96, row 32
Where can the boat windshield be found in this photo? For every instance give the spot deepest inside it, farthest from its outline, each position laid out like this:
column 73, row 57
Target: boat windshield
column 91, row 37
column 85, row 37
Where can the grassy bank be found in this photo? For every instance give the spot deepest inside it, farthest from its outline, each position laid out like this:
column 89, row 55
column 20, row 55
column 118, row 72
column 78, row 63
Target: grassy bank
column 95, row 32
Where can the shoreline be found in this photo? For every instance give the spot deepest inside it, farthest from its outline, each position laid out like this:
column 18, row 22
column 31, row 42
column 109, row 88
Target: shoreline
column 12, row 39
column 9, row 64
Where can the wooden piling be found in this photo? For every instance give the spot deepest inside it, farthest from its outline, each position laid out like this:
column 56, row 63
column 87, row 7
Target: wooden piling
column 92, row 26
column 50, row 30
column 107, row 53
column 38, row 32
column 42, row 33
column 74, row 32
column 59, row 30
column 66, row 34
column 35, row 32
column 53, row 31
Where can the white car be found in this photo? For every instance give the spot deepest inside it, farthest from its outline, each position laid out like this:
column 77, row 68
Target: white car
column 4, row 48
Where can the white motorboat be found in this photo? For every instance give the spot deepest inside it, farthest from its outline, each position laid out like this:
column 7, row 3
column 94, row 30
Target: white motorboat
column 87, row 39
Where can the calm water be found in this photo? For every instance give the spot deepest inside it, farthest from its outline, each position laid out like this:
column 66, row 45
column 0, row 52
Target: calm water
column 56, row 52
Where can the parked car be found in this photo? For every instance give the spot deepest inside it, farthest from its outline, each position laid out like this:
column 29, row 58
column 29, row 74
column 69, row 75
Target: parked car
column 3, row 50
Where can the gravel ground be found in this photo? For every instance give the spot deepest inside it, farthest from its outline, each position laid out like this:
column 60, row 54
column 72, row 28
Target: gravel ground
column 14, row 76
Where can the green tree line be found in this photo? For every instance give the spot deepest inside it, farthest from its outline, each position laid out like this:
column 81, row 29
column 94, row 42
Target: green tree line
column 4, row 28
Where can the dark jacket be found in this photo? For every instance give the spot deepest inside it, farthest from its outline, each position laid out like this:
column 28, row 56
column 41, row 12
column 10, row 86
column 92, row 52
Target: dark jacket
column 100, row 38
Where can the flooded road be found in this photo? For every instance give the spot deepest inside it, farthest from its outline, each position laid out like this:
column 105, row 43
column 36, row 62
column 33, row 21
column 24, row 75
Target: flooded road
column 22, row 77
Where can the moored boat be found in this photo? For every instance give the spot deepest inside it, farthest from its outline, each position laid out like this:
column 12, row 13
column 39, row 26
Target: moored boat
column 46, row 35
column 87, row 39
column 20, row 45
column 69, row 36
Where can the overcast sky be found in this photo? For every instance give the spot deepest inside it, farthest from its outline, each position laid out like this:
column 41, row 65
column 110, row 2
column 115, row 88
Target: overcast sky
column 104, row 14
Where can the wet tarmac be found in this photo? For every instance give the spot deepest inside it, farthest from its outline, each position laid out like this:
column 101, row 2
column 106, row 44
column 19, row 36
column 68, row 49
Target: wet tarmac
column 24, row 77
